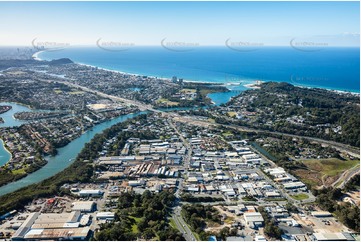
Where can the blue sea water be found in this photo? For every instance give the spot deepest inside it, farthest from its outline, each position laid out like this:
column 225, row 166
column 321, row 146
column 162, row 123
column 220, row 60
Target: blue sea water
column 331, row 67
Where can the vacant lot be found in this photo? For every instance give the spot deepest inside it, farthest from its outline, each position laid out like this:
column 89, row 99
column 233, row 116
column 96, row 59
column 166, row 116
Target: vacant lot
column 324, row 171
column 166, row 102
column 185, row 90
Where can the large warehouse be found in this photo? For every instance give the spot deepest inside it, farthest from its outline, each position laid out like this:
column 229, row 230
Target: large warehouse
column 52, row 226
column 253, row 219
column 84, row 206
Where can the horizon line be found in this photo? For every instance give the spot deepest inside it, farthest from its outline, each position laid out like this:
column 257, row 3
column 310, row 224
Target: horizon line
column 197, row 46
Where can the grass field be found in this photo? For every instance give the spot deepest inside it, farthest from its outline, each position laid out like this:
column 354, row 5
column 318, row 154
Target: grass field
column 331, row 167
column 232, row 114
column 301, row 196
column 324, row 171
column 185, row 90
column 19, row 171
column 229, row 220
column 76, row 92
column 165, row 101
column 135, row 225
column 228, row 133
column 211, row 120
column 205, row 92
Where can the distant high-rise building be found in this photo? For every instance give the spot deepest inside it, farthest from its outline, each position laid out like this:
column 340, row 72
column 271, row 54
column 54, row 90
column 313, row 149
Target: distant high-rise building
column 174, row 79
column 180, row 81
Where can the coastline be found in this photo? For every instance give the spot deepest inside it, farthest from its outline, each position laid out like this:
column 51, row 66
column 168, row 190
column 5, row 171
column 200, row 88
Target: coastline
column 35, row 56
column 155, row 77
column 250, row 84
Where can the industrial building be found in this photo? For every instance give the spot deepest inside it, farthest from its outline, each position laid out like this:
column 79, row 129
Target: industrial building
column 52, row 226
column 293, row 185
column 321, row 214
column 91, row 193
column 84, row 206
column 330, row 237
column 105, row 216
column 253, row 219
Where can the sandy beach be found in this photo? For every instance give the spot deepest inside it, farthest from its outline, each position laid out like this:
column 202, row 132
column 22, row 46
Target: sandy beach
column 36, row 55
column 255, row 85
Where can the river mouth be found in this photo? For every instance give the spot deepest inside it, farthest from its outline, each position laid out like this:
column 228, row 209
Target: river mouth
column 219, row 98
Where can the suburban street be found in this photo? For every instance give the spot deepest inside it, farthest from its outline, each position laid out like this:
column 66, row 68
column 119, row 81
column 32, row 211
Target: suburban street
column 173, row 116
column 342, row 147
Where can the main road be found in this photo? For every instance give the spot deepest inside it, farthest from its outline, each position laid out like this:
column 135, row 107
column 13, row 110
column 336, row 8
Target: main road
column 339, row 146
column 182, row 225
column 189, row 119
column 346, row 176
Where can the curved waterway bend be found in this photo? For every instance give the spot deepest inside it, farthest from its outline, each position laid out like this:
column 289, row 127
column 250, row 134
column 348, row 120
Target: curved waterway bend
column 10, row 121
column 65, row 156
column 8, row 117
column 5, row 155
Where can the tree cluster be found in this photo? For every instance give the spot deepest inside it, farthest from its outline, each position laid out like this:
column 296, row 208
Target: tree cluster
column 270, row 228
column 347, row 213
column 196, row 215
column 141, row 217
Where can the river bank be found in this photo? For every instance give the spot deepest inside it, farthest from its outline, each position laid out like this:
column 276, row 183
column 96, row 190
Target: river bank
column 5, row 154
column 65, row 156
column 4, row 108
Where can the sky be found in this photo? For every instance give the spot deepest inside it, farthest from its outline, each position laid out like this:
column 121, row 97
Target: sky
column 192, row 23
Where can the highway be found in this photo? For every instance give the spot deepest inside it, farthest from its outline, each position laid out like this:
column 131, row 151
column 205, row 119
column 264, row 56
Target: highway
column 346, row 176
column 176, row 215
column 189, row 119
column 182, row 225
column 354, row 151
column 140, row 105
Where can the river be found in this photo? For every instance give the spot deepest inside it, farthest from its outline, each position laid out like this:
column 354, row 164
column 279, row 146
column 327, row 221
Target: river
column 9, row 120
column 65, row 156
column 5, row 155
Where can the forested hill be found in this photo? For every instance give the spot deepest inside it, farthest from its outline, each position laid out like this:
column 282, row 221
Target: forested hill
column 304, row 111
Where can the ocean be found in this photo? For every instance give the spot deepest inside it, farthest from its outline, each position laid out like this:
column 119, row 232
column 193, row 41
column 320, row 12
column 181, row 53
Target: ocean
column 329, row 67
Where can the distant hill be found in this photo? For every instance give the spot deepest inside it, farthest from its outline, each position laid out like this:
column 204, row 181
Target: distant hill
column 61, row 61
